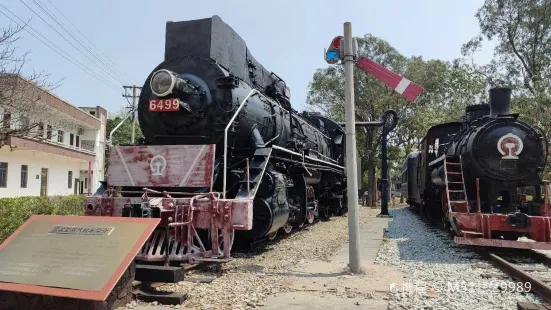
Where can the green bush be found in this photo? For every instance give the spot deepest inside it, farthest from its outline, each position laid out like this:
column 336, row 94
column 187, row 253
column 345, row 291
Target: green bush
column 15, row 211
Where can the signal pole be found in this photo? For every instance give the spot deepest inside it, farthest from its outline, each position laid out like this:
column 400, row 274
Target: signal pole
column 351, row 154
column 133, row 107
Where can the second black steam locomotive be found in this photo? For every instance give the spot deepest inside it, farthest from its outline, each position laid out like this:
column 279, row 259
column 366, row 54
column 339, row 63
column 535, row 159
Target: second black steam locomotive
column 475, row 174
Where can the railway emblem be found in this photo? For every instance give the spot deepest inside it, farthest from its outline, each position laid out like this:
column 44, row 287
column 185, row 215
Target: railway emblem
column 510, row 146
column 157, row 165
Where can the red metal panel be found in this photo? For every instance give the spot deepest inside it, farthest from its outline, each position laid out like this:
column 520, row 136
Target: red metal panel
column 539, row 229
column 503, row 243
column 393, row 80
column 460, row 206
column 162, row 166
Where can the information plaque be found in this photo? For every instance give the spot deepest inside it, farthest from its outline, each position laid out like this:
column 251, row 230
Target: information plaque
column 71, row 256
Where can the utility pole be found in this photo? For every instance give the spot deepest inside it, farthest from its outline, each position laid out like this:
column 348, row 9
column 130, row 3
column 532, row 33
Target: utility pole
column 133, row 108
column 344, row 48
column 351, row 154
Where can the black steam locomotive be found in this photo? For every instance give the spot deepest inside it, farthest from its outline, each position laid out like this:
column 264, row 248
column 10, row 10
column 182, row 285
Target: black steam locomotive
column 211, row 90
column 224, row 157
column 482, row 165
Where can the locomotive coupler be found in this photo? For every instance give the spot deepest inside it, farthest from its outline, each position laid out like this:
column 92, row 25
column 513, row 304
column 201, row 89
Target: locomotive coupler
column 137, row 210
column 519, row 220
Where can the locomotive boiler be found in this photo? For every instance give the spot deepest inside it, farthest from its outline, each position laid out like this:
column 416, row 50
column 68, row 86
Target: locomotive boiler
column 475, row 174
column 223, row 154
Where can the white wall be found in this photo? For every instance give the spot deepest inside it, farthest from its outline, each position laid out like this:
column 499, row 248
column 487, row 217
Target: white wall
column 100, row 154
column 58, row 168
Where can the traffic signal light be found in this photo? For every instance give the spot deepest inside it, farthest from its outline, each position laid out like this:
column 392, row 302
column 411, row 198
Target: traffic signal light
column 333, row 54
column 336, row 50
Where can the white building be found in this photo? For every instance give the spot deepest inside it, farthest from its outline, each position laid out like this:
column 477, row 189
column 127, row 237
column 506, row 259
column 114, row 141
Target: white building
column 63, row 154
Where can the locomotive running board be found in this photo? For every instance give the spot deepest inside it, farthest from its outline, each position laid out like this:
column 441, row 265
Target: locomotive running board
column 503, row 243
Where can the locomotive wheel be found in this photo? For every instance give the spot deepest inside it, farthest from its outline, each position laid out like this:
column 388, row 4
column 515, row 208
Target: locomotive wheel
column 310, row 217
column 341, row 207
column 424, row 210
column 445, row 224
column 220, row 241
column 324, row 213
column 287, row 228
column 272, row 236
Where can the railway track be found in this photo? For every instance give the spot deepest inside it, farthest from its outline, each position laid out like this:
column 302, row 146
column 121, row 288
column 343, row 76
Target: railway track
column 152, row 291
column 529, row 268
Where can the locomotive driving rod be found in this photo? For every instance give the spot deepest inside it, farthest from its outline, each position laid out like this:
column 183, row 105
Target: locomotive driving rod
column 388, row 121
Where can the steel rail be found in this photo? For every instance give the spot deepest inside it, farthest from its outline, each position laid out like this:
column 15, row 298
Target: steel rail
column 537, row 286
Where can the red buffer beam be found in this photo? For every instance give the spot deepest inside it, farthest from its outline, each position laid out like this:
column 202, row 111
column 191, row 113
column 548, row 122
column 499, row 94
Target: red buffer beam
column 400, row 84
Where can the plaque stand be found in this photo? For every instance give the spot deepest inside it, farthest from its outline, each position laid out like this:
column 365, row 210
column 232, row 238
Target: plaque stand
column 150, row 275
column 71, row 262
column 147, row 293
column 120, row 296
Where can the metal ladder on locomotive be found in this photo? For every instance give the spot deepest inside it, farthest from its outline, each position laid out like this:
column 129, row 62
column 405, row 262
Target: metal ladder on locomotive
column 456, row 195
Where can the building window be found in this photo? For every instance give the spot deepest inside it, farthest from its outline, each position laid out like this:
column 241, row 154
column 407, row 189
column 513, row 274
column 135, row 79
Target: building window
column 3, row 174
column 60, row 136
column 6, row 123
column 85, row 182
column 71, row 139
column 70, row 179
column 25, row 122
column 24, row 175
column 78, row 142
column 41, row 129
column 49, row 132
column 93, row 113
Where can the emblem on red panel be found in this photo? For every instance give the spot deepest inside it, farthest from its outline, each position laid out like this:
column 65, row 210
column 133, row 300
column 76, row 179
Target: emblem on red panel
column 157, row 165
column 510, row 146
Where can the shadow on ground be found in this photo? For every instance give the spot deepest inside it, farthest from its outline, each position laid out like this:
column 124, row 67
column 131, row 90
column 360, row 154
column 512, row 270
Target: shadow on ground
column 422, row 240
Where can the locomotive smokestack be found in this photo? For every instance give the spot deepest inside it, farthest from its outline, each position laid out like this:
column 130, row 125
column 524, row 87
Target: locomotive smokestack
column 500, row 101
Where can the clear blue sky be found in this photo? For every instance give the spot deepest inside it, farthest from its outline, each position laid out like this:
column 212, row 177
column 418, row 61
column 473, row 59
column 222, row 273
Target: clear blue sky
column 287, row 37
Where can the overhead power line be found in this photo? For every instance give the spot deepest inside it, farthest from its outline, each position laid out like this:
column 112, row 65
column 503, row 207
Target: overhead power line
column 64, row 38
column 56, row 49
column 112, row 63
column 61, row 24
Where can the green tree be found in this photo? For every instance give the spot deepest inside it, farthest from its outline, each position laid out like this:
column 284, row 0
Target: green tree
column 123, row 135
column 449, row 87
column 521, row 30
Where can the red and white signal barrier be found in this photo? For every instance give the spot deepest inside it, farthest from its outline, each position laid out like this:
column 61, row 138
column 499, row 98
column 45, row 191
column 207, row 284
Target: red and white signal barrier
column 400, row 84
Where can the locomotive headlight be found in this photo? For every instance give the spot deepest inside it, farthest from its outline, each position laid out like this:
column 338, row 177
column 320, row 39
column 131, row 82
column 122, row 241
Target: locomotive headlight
column 162, row 82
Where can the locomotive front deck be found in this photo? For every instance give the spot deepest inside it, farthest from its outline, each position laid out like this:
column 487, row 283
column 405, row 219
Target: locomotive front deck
column 182, row 214
column 479, row 229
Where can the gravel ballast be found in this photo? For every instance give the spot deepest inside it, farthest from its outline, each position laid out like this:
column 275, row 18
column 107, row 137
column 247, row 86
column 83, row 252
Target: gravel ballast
column 249, row 279
column 440, row 274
